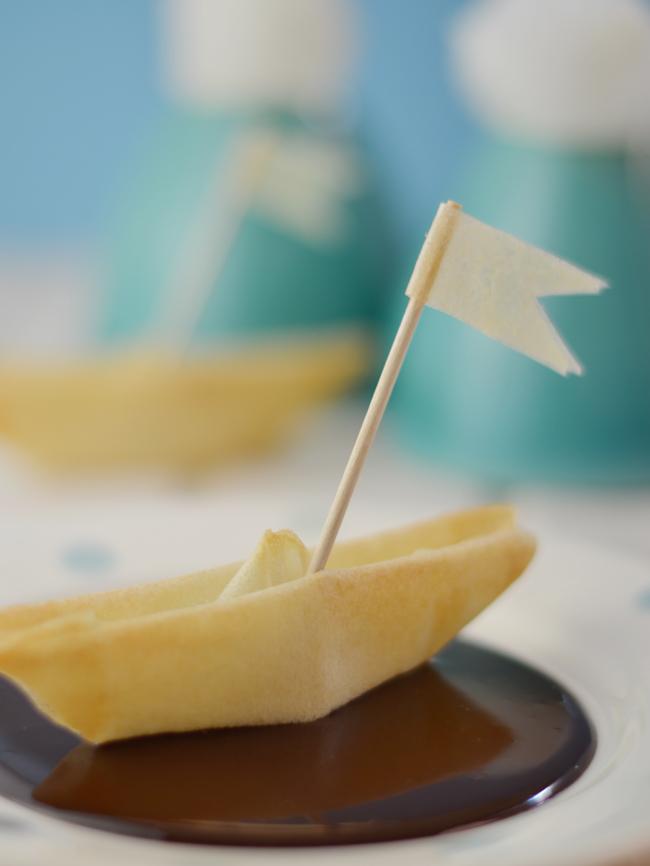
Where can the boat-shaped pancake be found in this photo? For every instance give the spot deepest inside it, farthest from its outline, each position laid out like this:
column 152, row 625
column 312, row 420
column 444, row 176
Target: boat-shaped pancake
column 259, row 642
column 163, row 411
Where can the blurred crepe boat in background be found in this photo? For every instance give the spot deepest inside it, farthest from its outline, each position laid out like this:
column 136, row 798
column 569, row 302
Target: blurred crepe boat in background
column 261, row 642
column 156, row 410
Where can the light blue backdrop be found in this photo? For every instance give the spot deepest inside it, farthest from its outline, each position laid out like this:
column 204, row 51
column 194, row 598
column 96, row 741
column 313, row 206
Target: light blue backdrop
column 79, row 91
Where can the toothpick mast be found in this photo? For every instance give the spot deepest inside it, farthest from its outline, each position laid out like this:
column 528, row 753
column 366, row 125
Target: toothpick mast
column 418, row 289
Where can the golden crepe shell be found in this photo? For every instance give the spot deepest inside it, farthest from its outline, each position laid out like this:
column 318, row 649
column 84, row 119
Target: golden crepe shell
column 173, row 656
column 167, row 411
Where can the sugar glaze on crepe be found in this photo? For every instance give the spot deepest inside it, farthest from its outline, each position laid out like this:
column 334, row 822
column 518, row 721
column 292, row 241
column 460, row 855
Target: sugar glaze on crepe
column 258, row 642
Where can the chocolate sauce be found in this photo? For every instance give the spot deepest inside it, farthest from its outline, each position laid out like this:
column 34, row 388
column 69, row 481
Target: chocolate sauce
column 470, row 737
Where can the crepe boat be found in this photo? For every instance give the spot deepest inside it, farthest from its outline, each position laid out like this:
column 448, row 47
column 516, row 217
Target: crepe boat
column 259, row 642
column 156, row 410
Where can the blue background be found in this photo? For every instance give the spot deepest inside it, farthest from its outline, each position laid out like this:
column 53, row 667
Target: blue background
column 80, row 92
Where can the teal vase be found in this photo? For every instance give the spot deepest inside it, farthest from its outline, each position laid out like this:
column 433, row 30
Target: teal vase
column 272, row 279
column 472, row 404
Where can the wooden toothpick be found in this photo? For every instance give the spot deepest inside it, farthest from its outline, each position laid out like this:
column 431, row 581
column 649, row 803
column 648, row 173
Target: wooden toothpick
column 418, row 289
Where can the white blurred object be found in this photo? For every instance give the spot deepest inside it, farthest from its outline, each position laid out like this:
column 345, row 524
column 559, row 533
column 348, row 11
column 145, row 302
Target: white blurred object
column 571, row 72
column 289, row 53
column 46, row 303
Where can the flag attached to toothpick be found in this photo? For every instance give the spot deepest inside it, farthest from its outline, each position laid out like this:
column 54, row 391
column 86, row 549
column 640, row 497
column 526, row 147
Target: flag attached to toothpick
column 492, row 281
column 489, row 280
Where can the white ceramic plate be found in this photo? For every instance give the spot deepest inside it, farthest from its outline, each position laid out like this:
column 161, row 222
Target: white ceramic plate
column 582, row 614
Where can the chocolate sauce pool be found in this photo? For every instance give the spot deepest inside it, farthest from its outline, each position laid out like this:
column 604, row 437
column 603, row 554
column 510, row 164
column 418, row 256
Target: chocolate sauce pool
column 470, row 737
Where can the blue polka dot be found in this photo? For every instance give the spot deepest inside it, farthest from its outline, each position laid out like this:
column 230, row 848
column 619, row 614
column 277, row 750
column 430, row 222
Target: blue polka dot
column 88, row 559
column 643, row 599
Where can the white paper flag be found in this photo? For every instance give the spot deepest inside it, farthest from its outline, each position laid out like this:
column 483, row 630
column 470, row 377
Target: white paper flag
column 491, row 280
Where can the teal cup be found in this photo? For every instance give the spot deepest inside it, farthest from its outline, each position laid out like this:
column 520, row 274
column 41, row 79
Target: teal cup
column 273, row 277
column 474, row 405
